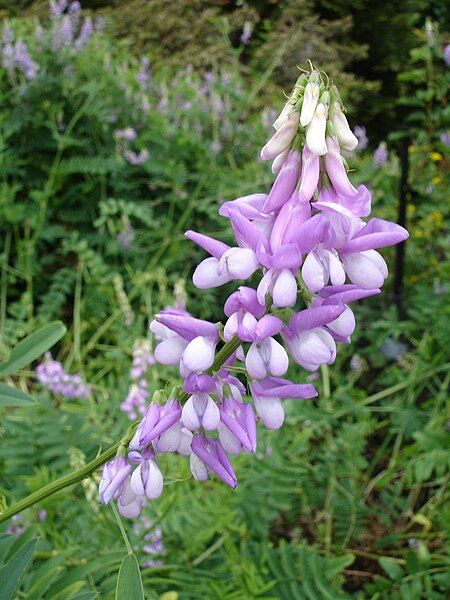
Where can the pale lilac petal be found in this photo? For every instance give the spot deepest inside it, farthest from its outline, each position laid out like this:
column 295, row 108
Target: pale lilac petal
column 198, row 468
column 293, row 214
column 249, row 206
column 278, row 362
column 254, row 363
column 212, row 246
column 136, row 482
column 284, row 184
column 247, row 233
column 336, row 170
column 240, row 263
column 282, row 139
column 337, row 271
column 155, row 482
column 344, row 325
column 185, row 444
column 264, row 285
column 378, row 233
column 207, row 275
column 211, row 415
column 228, row 440
column 313, row 273
column 313, row 348
column 365, row 269
column 284, row 292
column 170, row 440
column 309, row 178
column 169, row 352
column 268, row 326
column 270, row 411
column 199, row 354
column 310, row 318
column 278, row 162
column 231, row 327
column 189, row 416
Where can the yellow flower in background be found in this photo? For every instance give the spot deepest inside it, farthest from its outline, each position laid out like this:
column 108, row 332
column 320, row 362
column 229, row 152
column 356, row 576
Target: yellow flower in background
column 436, row 156
column 436, row 180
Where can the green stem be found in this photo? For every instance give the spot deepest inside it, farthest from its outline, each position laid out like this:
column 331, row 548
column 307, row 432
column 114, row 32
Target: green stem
column 67, row 480
column 122, row 529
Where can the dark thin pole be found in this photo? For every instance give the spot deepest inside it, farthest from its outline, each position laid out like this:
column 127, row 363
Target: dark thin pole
column 401, row 220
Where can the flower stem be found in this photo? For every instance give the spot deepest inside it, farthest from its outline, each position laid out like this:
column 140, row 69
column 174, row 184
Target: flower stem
column 67, row 480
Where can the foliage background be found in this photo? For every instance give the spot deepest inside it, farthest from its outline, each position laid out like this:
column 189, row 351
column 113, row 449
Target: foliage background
column 350, row 498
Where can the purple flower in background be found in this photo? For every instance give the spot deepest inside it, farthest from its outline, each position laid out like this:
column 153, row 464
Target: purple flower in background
column 17, row 526
column 143, row 76
column 216, row 147
column 151, row 537
column 246, row 33
column 17, row 56
column 135, row 402
column 86, row 32
column 363, row 140
column 136, row 399
column 380, row 155
column 126, row 237
column 138, row 158
column 129, row 134
column 57, row 8
column 51, row 374
column 446, row 53
column 445, row 137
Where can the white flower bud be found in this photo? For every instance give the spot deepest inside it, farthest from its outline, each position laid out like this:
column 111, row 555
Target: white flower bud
column 282, row 139
column 315, row 134
column 284, row 115
column 345, row 136
column 310, row 99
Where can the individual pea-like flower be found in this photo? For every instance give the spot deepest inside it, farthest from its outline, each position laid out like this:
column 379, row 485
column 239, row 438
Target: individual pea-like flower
column 115, row 473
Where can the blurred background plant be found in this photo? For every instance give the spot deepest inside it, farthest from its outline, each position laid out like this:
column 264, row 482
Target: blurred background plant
column 121, row 126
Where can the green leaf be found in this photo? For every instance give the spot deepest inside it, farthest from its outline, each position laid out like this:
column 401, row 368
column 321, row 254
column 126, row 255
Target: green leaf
column 392, row 569
column 11, row 573
column 129, row 582
column 10, row 396
column 32, row 347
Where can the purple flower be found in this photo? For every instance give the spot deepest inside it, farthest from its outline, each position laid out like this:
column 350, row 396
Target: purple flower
column 136, row 399
column 381, row 155
column 246, row 33
column 209, row 456
column 446, row 54
column 115, row 472
column 136, row 159
column 86, row 32
column 363, row 140
column 128, row 134
column 146, row 479
column 157, row 420
column 51, row 374
column 237, row 427
column 126, row 237
column 268, row 393
column 306, row 238
column 445, row 137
